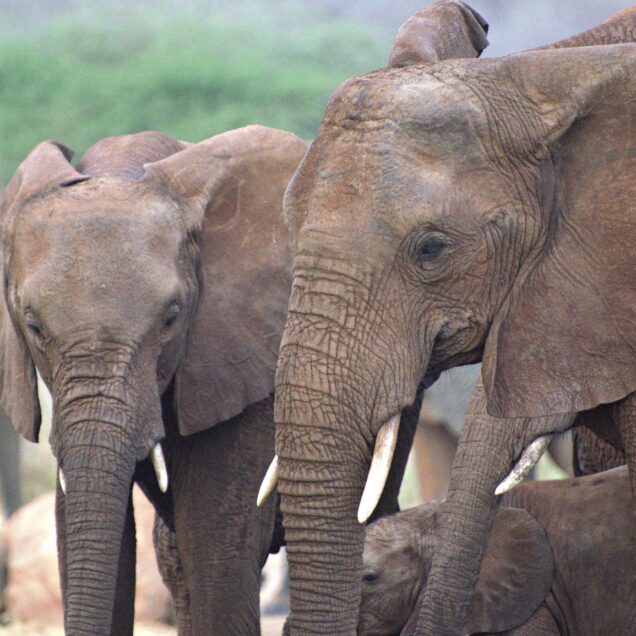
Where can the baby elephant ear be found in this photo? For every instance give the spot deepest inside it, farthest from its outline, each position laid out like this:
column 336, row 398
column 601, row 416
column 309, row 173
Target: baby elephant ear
column 516, row 574
column 46, row 167
column 446, row 30
column 232, row 186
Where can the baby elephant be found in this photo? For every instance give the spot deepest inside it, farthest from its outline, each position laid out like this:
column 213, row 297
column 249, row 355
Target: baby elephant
column 560, row 560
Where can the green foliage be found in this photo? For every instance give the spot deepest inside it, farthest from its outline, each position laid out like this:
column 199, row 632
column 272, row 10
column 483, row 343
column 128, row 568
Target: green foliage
column 188, row 74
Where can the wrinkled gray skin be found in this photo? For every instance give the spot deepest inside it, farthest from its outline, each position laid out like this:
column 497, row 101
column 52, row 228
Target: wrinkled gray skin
column 148, row 286
column 444, row 409
column 558, row 561
column 9, row 466
column 437, row 206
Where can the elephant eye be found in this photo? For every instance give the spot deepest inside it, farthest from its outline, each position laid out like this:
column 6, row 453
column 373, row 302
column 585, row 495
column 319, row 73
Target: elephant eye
column 171, row 317
column 33, row 327
column 370, row 577
column 430, row 249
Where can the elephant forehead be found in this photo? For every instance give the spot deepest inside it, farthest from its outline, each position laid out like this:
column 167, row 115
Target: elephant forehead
column 433, row 98
column 84, row 247
column 114, row 220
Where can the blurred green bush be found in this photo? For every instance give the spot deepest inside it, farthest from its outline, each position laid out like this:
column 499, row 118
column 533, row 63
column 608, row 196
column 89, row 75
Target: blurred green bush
column 191, row 74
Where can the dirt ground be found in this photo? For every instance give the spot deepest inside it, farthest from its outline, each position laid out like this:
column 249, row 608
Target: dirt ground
column 269, row 626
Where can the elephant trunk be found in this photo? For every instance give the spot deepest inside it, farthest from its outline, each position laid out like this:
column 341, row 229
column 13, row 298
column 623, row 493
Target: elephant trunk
column 488, row 448
column 329, row 411
column 97, row 455
column 322, row 476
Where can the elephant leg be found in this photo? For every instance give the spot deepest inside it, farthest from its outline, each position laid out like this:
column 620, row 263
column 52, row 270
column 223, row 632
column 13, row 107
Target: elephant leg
column 124, row 607
column 222, row 537
column 165, row 542
column 9, row 466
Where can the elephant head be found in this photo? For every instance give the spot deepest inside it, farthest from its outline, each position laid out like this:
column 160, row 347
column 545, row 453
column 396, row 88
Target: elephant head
column 154, row 269
column 448, row 213
column 516, row 572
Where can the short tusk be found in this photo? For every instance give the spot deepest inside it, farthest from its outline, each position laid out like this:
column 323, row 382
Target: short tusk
column 159, row 464
column 385, row 442
column 526, row 463
column 60, row 474
column 269, row 482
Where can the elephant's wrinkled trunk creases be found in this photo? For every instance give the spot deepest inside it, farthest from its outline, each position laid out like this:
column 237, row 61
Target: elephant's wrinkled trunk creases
column 321, row 478
column 466, row 516
column 98, row 482
column 96, row 450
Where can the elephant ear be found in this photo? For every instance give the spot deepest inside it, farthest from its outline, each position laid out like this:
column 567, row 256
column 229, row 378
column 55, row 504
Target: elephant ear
column 232, row 186
column 446, row 30
column 47, row 167
column 563, row 340
column 516, row 574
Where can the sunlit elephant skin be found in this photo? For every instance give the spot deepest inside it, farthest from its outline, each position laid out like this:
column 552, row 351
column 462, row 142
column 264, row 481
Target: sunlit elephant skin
column 558, row 561
column 148, row 286
column 449, row 213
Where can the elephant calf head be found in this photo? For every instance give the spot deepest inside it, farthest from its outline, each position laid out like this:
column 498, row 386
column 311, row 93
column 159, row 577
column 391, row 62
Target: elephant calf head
column 515, row 577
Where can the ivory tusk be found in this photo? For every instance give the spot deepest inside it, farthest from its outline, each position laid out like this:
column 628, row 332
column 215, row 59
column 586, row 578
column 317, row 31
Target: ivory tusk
column 159, row 464
column 60, row 475
column 385, row 442
column 269, row 482
column 46, row 403
column 526, row 463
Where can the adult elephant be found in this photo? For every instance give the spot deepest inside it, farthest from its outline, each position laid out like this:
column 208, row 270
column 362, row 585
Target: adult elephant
column 447, row 213
column 147, row 288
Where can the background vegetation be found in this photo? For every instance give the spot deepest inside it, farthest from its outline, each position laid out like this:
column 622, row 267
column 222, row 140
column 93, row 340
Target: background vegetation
column 191, row 74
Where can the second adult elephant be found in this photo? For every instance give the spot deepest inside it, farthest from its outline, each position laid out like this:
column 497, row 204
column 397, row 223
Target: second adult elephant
column 147, row 287
column 448, row 213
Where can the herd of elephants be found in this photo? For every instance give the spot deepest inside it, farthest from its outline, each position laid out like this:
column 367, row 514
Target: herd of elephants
column 254, row 317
